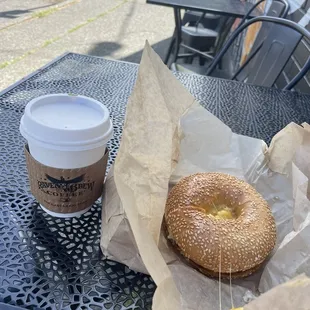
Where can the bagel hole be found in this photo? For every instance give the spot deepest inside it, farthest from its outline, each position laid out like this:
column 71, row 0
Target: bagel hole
column 221, row 209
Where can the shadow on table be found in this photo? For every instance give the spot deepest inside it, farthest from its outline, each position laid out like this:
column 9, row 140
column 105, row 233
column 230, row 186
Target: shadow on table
column 107, row 49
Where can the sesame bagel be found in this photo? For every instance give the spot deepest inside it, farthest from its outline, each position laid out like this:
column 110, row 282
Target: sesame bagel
column 207, row 272
column 220, row 223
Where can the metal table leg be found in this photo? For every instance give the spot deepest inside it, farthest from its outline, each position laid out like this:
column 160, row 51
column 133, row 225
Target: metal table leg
column 177, row 18
column 172, row 42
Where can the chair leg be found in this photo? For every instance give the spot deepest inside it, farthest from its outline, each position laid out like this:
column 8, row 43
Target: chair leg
column 202, row 61
column 172, row 42
column 189, row 59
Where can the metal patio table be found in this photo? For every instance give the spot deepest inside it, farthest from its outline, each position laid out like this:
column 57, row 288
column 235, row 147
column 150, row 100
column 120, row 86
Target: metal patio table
column 229, row 8
column 51, row 263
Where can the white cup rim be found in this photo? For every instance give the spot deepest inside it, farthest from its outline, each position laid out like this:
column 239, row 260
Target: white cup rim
column 40, row 133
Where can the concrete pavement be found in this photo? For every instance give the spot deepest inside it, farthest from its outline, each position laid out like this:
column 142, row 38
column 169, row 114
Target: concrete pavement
column 114, row 29
column 15, row 11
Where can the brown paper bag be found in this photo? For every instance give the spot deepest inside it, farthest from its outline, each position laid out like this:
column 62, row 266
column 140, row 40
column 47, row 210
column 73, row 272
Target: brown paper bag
column 167, row 135
column 150, row 143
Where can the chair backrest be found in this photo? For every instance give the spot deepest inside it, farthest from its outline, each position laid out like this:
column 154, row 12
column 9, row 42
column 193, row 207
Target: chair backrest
column 193, row 18
column 278, row 8
column 276, row 50
column 273, row 54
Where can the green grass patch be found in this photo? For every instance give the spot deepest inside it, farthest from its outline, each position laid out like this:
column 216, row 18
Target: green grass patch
column 17, row 59
column 44, row 13
column 92, row 19
column 48, row 42
column 4, row 64
column 77, row 27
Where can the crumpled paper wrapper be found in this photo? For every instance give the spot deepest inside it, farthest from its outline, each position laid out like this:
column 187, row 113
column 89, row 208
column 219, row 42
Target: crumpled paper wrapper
column 293, row 294
column 166, row 136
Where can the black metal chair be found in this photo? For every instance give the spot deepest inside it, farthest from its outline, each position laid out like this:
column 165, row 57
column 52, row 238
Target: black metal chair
column 201, row 38
column 192, row 18
column 273, row 54
column 198, row 39
column 199, row 34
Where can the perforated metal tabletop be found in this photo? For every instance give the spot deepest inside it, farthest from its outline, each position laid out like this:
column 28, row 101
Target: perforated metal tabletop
column 50, row 263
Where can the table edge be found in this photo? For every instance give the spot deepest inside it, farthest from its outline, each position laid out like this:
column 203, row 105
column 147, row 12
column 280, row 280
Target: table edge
column 32, row 74
column 4, row 91
column 189, row 7
column 18, row 82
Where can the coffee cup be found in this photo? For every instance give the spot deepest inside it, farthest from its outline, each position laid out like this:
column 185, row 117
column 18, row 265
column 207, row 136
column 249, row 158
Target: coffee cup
column 66, row 152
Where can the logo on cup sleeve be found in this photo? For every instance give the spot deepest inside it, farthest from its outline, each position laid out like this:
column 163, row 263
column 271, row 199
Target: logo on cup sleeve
column 64, row 188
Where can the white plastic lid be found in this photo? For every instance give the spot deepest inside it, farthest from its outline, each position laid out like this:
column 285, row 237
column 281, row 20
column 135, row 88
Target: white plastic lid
column 66, row 122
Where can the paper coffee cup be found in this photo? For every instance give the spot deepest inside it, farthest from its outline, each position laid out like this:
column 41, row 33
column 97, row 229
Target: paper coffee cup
column 66, row 152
